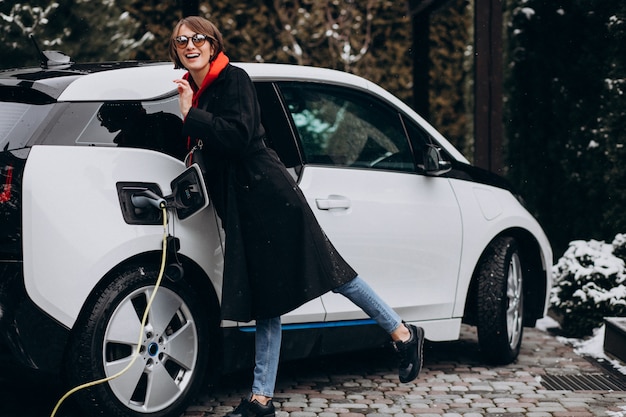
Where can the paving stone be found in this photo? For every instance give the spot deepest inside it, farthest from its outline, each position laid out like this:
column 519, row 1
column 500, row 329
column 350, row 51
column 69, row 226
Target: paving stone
column 302, row 414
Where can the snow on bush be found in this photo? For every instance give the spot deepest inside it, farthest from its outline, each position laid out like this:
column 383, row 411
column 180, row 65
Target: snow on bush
column 589, row 283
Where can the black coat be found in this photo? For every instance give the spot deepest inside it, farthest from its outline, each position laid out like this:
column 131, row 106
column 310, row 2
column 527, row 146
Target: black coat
column 276, row 255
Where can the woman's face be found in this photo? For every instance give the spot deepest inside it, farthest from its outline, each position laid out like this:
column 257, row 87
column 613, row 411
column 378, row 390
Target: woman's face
column 194, row 58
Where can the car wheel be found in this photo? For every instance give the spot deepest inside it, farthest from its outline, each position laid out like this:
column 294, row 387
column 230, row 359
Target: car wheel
column 500, row 302
column 172, row 357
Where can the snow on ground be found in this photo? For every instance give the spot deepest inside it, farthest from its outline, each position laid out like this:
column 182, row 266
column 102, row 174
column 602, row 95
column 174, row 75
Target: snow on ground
column 592, row 347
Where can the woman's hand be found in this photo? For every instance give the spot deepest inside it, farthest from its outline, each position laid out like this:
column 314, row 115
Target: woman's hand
column 185, row 96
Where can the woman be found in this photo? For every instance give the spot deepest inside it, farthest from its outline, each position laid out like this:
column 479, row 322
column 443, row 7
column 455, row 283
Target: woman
column 276, row 255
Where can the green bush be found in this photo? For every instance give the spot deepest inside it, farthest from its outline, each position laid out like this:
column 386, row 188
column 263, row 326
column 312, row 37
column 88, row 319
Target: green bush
column 589, row 284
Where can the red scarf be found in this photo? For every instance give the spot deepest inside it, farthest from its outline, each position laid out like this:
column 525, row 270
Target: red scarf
column 220, row 62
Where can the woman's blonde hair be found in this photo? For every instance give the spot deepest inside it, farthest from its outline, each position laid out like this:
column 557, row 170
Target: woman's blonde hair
column 199, row 25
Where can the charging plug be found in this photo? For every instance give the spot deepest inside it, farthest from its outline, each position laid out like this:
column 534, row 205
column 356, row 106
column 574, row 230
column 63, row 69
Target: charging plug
column 146, row 198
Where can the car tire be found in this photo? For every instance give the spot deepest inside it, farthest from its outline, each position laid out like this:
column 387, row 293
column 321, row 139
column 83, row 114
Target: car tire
column 172, row 359
column 500, row 302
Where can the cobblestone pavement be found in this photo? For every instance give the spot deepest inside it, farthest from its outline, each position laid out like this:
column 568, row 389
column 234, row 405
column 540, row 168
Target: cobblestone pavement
column 454, row 382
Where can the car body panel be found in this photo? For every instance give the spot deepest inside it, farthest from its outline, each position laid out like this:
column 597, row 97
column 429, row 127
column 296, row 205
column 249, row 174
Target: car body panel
column 401, row 232
column 140, row 83
column 482, row 222
column 74, row 232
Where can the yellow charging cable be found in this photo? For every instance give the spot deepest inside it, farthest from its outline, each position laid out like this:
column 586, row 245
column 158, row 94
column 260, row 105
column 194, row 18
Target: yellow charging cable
column 143, row 324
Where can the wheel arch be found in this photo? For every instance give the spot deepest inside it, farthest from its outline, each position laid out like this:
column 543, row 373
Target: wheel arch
column 534, row 275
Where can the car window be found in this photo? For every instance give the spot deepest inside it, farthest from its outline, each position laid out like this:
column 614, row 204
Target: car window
column 149, row 125
column 347, row 128
column 18, row 123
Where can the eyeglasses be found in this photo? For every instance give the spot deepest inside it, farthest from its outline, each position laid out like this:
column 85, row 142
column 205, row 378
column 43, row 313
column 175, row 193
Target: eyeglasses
column 198, row 40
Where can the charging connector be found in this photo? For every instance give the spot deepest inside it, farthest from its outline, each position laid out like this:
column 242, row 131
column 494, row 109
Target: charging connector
column 146, row 198
column 138, row 200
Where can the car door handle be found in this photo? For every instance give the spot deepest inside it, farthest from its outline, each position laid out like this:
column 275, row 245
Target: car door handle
column 333, row 202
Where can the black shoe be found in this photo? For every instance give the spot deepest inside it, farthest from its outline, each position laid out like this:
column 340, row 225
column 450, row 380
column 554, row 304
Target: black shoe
column 410, row 354
column 247, row 408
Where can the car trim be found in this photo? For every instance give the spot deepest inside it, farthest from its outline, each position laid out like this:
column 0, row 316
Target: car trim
column 317, row 325
column 462, row 171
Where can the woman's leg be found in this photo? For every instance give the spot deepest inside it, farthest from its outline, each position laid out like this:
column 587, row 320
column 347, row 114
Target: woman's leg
column 361, row 294
column 267, row 353
column 408, row 340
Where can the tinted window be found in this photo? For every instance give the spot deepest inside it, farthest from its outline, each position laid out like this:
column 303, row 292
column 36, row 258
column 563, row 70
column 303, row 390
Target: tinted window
column 342, row 127
column 149, row 125
column 18, row 122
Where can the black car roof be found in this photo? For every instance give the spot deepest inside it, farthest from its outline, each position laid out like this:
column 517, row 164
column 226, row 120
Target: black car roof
column 52, row 81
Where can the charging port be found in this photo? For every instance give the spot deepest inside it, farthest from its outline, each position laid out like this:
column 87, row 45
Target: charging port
column 135, row 203
column 142, row 202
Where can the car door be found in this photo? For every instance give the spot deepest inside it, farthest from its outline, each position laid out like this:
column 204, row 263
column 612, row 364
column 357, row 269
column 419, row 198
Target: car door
column 401, row 230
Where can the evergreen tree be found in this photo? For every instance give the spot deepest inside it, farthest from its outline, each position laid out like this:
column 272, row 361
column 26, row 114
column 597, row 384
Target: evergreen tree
column 87, row 30
column 559, row 58
column 451, row 74
column 157, row 19
column 614, row 119
column 370, row 38
column 20, row 21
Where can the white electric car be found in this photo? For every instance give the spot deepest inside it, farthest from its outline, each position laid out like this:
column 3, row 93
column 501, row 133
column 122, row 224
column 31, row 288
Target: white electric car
column 443, row 242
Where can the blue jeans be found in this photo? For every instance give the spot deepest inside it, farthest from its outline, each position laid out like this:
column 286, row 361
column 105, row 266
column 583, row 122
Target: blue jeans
column 268, row 332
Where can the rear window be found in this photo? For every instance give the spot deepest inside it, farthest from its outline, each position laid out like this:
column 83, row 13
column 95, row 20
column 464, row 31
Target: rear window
column 152, row 125
column 120, row 123
column 19, row 122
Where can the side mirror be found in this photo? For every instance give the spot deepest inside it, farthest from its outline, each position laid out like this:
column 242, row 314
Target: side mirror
column 189, row 193
column 434, row 164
